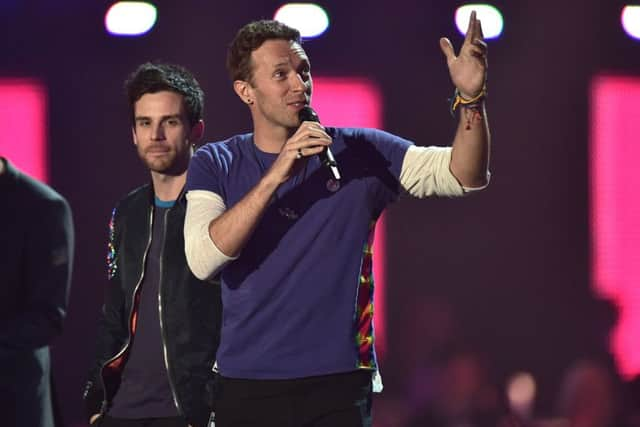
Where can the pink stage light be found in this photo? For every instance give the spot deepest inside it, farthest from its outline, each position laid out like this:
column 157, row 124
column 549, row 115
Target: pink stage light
column 357, row 102
column 23, row 120
column 615, row 210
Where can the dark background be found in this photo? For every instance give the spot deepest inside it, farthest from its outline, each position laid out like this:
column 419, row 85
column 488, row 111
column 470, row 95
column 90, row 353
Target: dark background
column 514, row 261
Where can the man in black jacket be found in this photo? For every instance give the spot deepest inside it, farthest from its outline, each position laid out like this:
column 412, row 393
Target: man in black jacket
column 160, row 325
column 35, row 274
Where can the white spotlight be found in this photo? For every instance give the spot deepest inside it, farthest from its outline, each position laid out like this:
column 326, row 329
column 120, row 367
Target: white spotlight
column 630, row 19
column 491, row 18
column 308, row 18
column 130, row 18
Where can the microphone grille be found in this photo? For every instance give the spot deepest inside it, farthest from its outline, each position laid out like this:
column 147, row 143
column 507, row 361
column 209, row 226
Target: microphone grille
column 307, row 114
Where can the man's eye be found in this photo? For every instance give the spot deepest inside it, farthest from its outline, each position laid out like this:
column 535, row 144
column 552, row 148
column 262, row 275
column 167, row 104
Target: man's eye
column 173, row 122
column 144, row 123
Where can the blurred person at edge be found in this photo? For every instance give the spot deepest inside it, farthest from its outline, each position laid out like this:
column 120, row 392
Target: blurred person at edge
column 589, row 396
column 461, row 394
column 36, row 260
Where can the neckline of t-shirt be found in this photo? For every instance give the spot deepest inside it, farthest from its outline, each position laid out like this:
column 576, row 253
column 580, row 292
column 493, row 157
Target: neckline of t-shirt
column 163, row 204
column 263, row 154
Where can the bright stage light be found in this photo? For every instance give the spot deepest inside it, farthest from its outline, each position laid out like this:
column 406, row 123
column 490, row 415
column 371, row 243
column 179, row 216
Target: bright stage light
column 130, row 18
column 615, row 210
column 308, row 18
column 630, row 19
column 491, row 18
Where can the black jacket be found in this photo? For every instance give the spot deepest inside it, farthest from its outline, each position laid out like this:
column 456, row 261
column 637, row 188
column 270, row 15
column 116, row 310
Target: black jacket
column 36, row 257
column 190, row 310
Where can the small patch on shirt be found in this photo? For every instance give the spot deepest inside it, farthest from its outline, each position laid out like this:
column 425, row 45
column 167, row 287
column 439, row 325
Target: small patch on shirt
column 333, row 185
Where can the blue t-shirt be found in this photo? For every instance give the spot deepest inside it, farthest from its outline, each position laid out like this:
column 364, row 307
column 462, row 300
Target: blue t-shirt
column 298, row 301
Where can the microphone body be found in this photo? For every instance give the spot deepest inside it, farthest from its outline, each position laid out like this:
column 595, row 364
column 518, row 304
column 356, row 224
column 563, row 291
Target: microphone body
column 307, row 114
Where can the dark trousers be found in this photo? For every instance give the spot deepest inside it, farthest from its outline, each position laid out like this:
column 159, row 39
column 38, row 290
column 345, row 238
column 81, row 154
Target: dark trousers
column 25, row 391
column 339, row 400
column 108, row 421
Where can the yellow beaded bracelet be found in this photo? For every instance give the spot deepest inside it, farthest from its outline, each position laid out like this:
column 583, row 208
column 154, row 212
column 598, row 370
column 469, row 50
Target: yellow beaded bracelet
column 458, row 100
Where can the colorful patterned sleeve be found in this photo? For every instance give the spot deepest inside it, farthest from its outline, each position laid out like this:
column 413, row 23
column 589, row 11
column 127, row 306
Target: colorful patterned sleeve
column 112, row 266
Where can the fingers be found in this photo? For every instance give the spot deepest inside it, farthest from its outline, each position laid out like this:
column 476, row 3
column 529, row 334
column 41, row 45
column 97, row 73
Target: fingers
column 474, row 43
column 478, row 31
column 309, row 133
column 309, row 139
column 473, row 40
column 311, row 127
column 478, row 48
column 471, row 28
column 306, row 147
column 474, row 30
column 447, row 49
column 480, row 44
column 301, row 152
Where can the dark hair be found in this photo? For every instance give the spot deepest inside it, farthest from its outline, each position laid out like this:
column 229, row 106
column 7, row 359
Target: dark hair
column 249, row 38
column 152, row 77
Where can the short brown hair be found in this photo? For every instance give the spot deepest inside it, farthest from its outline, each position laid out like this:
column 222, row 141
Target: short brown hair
column 152, row 77
column 249, row 38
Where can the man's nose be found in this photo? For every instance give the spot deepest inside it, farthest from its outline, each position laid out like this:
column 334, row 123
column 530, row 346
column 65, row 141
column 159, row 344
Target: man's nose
column 299, row 84
column 157, row 132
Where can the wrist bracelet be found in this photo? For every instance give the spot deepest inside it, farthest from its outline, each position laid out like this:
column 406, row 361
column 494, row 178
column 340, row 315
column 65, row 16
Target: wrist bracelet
column 457, row 100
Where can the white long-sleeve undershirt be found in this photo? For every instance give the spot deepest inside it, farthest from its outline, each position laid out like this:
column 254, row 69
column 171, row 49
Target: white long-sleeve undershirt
column 425, row 172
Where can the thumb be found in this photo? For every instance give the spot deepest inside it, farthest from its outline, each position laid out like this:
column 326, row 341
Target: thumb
column 447, row 49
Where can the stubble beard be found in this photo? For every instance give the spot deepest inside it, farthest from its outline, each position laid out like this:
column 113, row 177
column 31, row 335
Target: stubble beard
column 161, row 165
column 282, row 117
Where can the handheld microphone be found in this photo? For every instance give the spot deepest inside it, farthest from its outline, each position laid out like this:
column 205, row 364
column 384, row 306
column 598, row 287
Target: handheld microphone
column 307, row 114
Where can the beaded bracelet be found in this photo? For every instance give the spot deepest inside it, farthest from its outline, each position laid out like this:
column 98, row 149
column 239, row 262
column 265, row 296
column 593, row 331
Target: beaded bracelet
column 457, row 100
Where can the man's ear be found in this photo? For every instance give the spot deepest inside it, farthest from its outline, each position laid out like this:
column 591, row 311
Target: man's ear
column 244, row 91
column 134, row 136
column 196, row 133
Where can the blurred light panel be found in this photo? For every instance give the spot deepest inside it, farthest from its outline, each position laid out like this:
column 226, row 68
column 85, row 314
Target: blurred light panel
column 130, row 18
column 490, row 18
column 23, row 120
column 615, row 210
column 308, row 18
column 521, row 392
column 355, row 102
column 630, row 19
column 349, row 102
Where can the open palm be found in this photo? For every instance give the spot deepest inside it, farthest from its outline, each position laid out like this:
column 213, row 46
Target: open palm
column 468, row 70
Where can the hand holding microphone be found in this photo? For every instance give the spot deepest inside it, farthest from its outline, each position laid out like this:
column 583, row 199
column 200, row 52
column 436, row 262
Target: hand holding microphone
column 307, row 114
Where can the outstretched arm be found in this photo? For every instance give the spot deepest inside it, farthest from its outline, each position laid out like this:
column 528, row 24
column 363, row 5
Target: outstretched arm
column 468, row 71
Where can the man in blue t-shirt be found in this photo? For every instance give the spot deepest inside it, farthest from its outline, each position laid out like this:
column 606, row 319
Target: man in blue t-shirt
column 292, row 239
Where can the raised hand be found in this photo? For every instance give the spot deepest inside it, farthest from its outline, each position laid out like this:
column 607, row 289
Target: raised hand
column 468, row 70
